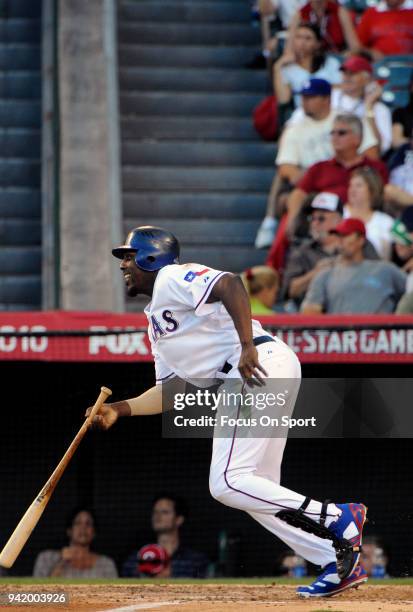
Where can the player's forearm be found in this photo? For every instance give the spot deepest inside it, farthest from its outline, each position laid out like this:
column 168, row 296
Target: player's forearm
column 147, row 403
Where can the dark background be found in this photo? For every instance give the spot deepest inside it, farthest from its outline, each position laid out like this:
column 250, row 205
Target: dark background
column 119, row 472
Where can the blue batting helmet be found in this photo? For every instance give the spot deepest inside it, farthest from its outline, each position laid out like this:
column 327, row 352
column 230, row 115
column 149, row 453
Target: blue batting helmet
column 154, row 247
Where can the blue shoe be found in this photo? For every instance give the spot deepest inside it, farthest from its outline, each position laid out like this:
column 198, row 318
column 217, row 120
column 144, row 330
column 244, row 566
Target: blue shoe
column 329, row 584
column 348, row 528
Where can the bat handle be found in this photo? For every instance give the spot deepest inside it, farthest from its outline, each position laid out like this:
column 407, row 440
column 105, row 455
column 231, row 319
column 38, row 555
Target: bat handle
column 103, row 396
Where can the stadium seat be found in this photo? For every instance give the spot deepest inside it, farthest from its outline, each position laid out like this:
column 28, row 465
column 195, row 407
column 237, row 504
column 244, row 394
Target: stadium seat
column 395, row 97
column 395, row 72
column 358, row 6
column 395, row 76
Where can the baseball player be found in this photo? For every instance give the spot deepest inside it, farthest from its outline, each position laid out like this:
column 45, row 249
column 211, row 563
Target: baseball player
column 200, row 327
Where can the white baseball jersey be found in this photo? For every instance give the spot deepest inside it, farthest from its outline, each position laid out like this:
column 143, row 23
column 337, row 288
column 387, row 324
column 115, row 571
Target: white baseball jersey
column 190, row 338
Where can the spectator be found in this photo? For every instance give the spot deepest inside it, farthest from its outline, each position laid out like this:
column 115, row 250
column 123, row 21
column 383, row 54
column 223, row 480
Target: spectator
column 76, row 560
column 305, row 59
column 334, row 174
column 261, row 283
column 402, row 233
column 292, row 565
column 284, row 9
column 387, row 29
column 307, row 259
column 306, row 138
column 374, row 558
column 168, row 516
column 335, row 24
column 274, row 15
column 399, row 191
column 403, row 122
column 360, row 95
column 305, row 141
column 353, row 284
column 365, row 198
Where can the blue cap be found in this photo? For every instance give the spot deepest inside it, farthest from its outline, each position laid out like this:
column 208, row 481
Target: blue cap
column 316, row 87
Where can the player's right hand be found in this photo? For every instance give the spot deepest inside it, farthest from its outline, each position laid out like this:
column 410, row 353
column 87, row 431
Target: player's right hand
column 250, row 368
column 105, row 418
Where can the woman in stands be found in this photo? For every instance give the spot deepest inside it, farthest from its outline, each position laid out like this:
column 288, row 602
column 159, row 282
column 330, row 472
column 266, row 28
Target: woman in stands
column 306, row 59
column 77, row 560
column 261, row 283
column 365, row 198
column 335, row 24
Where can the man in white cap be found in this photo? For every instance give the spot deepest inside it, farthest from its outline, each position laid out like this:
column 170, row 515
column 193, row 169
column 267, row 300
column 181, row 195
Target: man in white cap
column 317, row 252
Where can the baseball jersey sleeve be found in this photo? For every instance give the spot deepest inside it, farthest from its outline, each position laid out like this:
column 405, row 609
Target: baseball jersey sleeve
column 162, row 371
column 192, row 286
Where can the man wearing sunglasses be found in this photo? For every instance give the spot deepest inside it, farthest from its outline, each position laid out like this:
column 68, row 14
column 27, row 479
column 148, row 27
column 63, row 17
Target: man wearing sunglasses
column 317, row 252
column 334, row 174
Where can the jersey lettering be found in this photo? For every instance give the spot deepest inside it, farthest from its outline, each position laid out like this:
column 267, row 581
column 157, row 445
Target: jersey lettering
column 157, row 331
column 167, row 316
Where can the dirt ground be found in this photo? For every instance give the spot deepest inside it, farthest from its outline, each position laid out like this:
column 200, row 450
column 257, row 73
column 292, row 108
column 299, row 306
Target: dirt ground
column 215, row 598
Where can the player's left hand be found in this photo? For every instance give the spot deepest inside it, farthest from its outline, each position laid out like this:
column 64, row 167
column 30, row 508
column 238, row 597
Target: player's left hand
column 250, row 368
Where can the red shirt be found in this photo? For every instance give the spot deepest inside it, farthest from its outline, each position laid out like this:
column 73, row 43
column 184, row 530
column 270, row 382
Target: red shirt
column 390, row 32
column 329, row 25
column 332, row 176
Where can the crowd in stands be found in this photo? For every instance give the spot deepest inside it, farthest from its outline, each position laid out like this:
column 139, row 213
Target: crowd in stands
column 166, row 557
column 339, row 216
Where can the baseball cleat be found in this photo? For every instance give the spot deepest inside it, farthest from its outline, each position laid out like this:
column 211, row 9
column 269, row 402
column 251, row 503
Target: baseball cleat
column 348, row 529
column 329, row 584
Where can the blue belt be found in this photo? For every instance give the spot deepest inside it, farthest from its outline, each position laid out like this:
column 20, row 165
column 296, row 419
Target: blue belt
column 227, row 367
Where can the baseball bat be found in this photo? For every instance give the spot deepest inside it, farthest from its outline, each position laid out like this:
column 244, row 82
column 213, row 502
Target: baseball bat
column 33, row 513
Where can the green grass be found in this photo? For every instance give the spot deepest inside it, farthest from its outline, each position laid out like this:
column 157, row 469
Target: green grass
column 241, row 581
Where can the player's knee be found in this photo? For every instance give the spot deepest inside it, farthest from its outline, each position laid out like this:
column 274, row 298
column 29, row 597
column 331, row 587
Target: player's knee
column 218, row 489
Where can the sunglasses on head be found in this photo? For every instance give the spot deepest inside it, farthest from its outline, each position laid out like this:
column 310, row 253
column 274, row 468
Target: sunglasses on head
column 339, row 132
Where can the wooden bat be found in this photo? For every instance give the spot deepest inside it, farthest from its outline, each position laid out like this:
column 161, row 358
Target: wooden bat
column 33, row 513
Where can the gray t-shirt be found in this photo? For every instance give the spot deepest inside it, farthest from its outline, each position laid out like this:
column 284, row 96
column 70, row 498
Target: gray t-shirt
column 368, row 287
column 46, row 561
